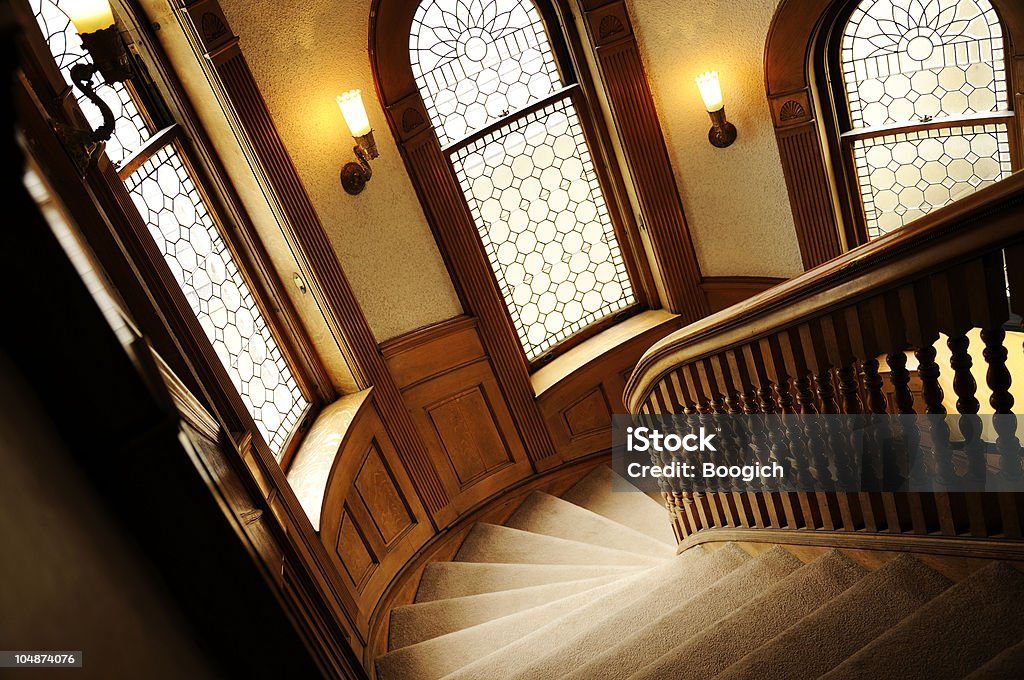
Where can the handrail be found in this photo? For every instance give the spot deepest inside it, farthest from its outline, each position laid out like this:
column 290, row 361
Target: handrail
column 936, row 241
column 815, row 345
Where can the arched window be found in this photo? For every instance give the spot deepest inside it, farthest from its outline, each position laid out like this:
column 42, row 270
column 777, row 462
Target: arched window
column 152, row 154
column 507, row 119
column 928, row 115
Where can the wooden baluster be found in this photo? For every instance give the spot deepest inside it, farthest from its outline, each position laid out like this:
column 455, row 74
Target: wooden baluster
column 880, row 452
column 967, row 405
column 1005, row 424
column 758, row 447
column 949, row 509
column 941, row 459
column 909, row 451
column 774, row 363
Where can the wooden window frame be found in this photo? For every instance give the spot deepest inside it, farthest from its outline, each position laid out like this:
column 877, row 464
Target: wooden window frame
column 163, row 105
column 574, row 73
column 806, row 96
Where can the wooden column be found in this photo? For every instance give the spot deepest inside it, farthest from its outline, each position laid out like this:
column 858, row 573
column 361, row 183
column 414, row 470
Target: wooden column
column 643, row 144
column 207, row 29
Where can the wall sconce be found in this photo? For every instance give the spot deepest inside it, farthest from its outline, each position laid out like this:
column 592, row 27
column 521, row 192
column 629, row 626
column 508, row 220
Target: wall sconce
column 722, row 132
column 94, row 21
column 354, row 176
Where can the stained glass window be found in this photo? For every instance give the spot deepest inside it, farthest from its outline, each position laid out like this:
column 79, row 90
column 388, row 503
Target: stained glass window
column 130, row 130
column 165, row 192
column 937, row 66
column 488, row 77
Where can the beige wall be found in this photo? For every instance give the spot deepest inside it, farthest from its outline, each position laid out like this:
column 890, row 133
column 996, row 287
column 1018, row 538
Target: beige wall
column 302, row 56
column 735, row 199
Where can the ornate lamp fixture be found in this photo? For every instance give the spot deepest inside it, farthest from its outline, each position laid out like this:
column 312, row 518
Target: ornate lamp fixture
column 354, row 176
column 722, row 132
column 94, row 21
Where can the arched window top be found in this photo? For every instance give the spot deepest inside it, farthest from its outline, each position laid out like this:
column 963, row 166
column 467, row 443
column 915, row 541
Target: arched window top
column 914, row 61
column 477, row 61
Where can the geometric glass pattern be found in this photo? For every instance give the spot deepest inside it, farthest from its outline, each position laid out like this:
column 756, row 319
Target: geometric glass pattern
column 534, row 194
column 907, row 174
column 475, row 61
column 201, row 263
column 130, row 130
column 923, row 59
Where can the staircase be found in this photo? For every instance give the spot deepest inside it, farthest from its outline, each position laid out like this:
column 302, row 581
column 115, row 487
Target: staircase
column 589, row 586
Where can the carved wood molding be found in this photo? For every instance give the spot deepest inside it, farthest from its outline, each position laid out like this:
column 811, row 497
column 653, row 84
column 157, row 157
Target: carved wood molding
column 816, row 192
column 643, row 143
column 211, row 36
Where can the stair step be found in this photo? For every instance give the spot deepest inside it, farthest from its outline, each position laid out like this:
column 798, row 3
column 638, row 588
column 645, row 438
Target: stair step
column 442, row 655
column 544, row 514
column 845, row 624
column 667, row 629
column 951, row 635
column 494, row 543
column 1009, row 663
column 709, row 652
column 418, row 622
column 565, row 644
column 443, row 580
column 629, row 508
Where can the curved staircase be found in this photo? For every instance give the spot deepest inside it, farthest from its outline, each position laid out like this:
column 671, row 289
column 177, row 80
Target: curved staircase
column 589, row 586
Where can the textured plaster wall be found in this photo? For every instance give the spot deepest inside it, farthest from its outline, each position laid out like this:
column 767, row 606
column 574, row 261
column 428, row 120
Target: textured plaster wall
column 303, row 55
column 735, row 199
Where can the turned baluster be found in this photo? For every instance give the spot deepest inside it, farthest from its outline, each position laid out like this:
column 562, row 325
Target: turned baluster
column 905, row 454
column 941, row 458
column 1005, row 423
column 816, row 445
column 877, row 428
column 965, row 387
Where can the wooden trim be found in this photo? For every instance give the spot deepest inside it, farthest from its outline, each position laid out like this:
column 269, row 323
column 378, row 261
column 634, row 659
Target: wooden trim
column 217, row 46
column 724, row 291
column 646, row 152
column 973, row 548
column 822, row 194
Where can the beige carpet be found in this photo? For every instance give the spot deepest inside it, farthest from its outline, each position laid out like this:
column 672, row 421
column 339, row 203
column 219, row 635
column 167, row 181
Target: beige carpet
column 588, row 586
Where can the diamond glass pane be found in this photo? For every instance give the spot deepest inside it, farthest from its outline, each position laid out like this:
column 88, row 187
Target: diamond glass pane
column 920, row 59
column 534, row 194
column 477, row 61
column 905, row 175
column 130, row 131
column 170, row 203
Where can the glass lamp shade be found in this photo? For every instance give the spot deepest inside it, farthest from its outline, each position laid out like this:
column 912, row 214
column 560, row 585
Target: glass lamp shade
column 88, row 16
column 351, row 105
column 710, row 91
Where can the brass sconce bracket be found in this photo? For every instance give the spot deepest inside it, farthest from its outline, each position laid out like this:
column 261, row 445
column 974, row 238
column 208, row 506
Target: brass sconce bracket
column 722, row 132
column 354, row 176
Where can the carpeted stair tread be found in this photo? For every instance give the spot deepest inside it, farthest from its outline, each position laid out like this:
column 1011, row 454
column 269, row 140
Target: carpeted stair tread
column 632, row 509
column 445, row 654
column 707, row 653
column 443, row 580
column 844, row 624
column 494, row 543
column 663, row 632
column 418, row 622
column 562, row 646
column 952, row 635
column 544, row 514
column 1009, row 663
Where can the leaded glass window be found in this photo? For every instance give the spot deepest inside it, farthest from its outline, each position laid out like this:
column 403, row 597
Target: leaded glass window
column 509, row 123
column 929, row 118
column 165, row 190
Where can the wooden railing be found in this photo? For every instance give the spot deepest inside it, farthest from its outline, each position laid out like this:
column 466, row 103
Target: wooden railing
column 844, row 338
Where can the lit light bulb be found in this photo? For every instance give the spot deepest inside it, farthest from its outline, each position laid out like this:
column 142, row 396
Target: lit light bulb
column 710, row 91
column 88, row 16
column 351, row 105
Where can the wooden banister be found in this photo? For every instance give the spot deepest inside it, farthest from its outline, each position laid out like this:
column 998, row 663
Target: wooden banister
column 860, row 335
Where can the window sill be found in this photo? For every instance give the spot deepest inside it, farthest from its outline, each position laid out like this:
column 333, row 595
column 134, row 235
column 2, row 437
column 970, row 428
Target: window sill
column 594, row 349
column 311, row 467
